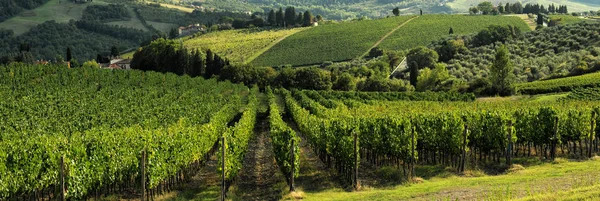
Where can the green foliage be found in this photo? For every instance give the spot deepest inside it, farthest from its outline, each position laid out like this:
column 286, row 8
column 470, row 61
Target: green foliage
column 237, row 138
column 13, row 7
column 585, row 94
column 396, row 11
column 106, row 13
column 423, row 57
column 559, row 85
column 421, row 31
column 325, row 43
column 501, row 73
column 90, row 64
column 100, row 121
column 485, row 7
column 432, row 80
column 282, row 136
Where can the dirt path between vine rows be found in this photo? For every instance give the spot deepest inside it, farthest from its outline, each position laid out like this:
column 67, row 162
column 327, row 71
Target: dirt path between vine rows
column 205, row 185
column 260, row 178
column 314, row 175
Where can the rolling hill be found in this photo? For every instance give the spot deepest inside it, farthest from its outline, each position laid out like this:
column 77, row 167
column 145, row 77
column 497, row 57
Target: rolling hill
column 349, row 40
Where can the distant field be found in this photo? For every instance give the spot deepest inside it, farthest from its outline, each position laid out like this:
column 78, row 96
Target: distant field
column 134, row 22
column 53, row 10
column 572, row 5
column 427, row 28
column 559, row 85
column 181, row 8
column 567, row 19
column 164, row 27
column 330, row 42
column 239, row 45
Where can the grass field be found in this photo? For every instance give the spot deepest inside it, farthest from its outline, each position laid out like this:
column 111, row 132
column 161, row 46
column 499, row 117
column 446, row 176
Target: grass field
column 162, row 26
column 561, row 180
column 181, row 8
column 427, row 28
column 567, row 19
column 573, row 6
column 53, row 10
column 330, row 42
column 239, row 45
column 134, row 22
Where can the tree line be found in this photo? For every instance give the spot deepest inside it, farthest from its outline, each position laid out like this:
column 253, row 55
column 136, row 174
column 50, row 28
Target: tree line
column 487, row 8
column 106, row 13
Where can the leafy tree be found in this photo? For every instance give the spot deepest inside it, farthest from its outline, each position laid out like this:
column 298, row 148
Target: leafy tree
column 423, row 56
column 500, row 8
column 396, row 11
column 313, row 78
column 345, row 82
column 375, row 52
column 319, row 18
column 449, row 48
column 69, row 55
column 432, row 80
column 90, row 64
column 507, row 8
column 473, row 10
column 272, row 18
column 308, row 18
column 485, row 7
column 501, row 72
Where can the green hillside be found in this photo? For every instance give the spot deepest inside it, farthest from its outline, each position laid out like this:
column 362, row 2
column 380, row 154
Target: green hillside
column 239, row 45
column 349, row 40
column 57, row 10
column 330, row 42
column 427, row 28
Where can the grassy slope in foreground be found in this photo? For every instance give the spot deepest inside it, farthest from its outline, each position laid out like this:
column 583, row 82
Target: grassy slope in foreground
column 559, row 85
column 427, row 28
column 547, row 181
column 330, row 42
column 53, row 10
column 238, row 45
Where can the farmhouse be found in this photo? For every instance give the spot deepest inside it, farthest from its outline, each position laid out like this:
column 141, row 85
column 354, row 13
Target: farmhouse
column 122, row 64
column 191, row 29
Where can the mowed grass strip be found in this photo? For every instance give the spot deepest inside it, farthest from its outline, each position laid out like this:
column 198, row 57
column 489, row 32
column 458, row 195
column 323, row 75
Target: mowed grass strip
column 427, row 28
column 549, row 181
column 329, row 42
column 238, row 45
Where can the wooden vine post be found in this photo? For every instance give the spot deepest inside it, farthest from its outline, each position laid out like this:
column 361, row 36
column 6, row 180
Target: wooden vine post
column 356, row 183
column 293, row 163
column 143, row 174
column 412, row 155
column 62, row 178
column 554, row 139
column 510, row 144
column 591, row 137
column 223, row 168
column 463, row 158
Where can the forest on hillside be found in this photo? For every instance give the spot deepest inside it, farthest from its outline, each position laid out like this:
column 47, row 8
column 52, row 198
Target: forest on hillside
column 10, row 8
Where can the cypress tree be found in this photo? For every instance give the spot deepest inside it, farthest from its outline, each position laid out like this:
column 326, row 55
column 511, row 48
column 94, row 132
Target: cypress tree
column 414, row 73
column 271, row 18
column 501, row 72
column 69, row 56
